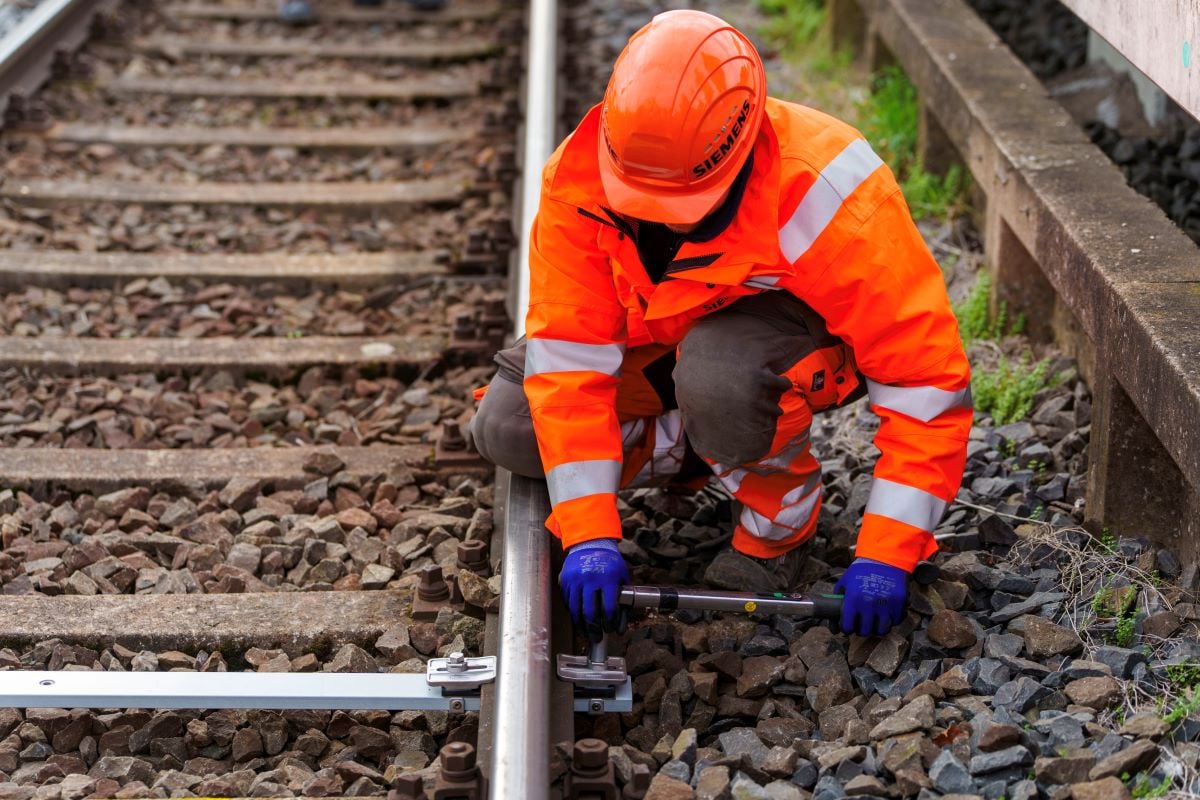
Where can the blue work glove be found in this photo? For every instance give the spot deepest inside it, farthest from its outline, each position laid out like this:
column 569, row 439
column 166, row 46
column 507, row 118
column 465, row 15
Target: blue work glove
column 875, row 597
column 591, row 568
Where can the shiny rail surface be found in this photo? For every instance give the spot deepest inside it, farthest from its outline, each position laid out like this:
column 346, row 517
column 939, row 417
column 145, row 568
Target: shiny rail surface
column 28, row 52
column 520, row 753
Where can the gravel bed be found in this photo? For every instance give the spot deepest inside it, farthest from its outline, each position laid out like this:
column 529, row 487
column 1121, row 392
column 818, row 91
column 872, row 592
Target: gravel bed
column 162, row 308
column 35, row 158
column 1045, row 34
column 222, row 410
column 54, row 754
column 82, row 102
column 374, row 34
column 1009, row 677
column 328, row 71
column 337, row 533
column 240, row 229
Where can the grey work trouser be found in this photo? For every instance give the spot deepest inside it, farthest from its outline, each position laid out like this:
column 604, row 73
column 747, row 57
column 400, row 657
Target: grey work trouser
column 730, row 374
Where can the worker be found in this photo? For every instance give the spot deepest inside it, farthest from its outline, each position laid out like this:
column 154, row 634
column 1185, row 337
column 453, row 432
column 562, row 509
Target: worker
column 708, row 268
column 300, row 12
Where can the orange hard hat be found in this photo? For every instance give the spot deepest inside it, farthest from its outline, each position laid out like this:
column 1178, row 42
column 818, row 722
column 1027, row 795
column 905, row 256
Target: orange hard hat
column 680, row 115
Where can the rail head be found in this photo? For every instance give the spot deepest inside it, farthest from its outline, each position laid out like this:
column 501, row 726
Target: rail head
column 520, row 764
column 541, row 126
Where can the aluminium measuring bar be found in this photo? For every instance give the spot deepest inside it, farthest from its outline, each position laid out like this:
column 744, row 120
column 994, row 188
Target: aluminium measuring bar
column 265, row 690
column 274, row 690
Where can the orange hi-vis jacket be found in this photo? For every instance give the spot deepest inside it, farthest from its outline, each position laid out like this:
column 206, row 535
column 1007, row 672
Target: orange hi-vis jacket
column 821, row 217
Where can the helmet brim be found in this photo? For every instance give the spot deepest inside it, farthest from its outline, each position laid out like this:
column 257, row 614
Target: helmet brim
column 653, row 204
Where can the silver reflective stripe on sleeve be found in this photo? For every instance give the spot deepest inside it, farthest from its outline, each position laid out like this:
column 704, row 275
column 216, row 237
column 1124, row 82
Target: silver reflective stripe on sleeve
column 560, row 355
column 582, row 478
column 906, row 504
column 837, row 181
column 919, row 402
column 764, row 282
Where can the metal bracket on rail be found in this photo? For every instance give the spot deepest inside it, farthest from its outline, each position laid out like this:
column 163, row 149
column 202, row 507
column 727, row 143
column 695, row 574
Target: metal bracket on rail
column 459, row 677
column 601, row 682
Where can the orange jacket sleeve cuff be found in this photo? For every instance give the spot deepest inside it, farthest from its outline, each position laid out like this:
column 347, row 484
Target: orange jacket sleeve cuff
column 892, row 542
column 585, row 518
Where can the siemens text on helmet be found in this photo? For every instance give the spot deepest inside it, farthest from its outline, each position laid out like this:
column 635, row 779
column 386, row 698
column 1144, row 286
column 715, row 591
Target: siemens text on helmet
column 726, row 146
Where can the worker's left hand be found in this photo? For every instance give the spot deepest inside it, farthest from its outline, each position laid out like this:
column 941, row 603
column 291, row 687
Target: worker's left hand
column 875, row 597
column 592, row 575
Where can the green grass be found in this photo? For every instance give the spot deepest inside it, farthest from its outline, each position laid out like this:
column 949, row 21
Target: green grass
column 885, row 110
column 1144, row 787
column 797, row 29
column 973, row 313
column 1123, row 635
column 888, row 118
column 1006, row 391
column 1119, row 604
column 1185, row 675
column 1190, row 705
column 814, row 73
column 975, row 319
column 793, row 24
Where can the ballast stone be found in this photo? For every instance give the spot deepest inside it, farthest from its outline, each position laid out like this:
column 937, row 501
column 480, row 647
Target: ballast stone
column 1044, row 639
column 1015, row 756
column 664, row 787
column 949, row 776
column 744, row 741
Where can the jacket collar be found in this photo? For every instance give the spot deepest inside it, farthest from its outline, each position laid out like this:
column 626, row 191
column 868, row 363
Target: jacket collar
column 752, row 238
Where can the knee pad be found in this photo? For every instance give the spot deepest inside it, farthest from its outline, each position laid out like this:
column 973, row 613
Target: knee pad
column 730, row 402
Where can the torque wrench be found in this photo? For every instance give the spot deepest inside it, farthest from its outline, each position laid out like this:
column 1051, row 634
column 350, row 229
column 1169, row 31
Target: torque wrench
column 795, row 604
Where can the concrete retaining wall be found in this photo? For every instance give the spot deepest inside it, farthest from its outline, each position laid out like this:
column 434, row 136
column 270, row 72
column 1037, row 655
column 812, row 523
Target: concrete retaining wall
column 1089, row 260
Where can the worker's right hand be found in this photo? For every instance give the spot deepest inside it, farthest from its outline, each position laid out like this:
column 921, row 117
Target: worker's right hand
column 591, row 579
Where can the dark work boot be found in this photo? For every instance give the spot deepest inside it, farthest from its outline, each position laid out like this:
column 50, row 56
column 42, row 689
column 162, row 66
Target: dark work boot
column 742, row 573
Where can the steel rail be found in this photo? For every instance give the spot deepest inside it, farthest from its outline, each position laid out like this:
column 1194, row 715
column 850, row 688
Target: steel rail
column 520, row 764
column 27, row 52
column 541, row 125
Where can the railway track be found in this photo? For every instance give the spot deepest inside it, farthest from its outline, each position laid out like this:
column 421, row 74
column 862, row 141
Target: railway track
column 252, row 275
